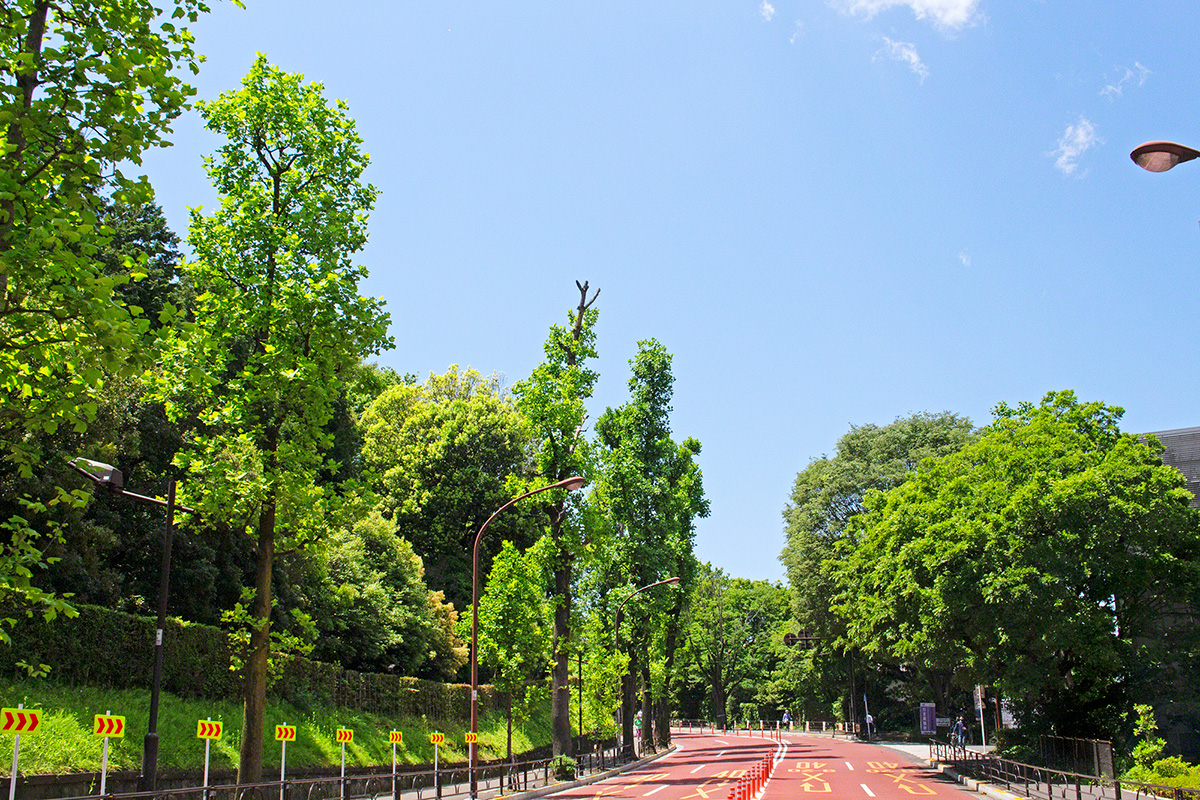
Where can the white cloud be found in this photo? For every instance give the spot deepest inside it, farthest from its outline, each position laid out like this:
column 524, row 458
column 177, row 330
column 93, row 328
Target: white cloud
column 945, row 13
column 1075, row 141
column 797, row 32
column 1115, row 90
column 767, row 10
column 964, row 257
column 906, row 52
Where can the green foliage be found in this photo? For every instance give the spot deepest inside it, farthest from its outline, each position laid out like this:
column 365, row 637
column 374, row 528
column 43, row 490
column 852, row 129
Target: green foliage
column 367, row 595
column 1149, row 748
column 285, row 645
column 440, row 455
column 65, row 743
column 1032, row 559
column 734, row 631
column 563, row 767
column 87, row 87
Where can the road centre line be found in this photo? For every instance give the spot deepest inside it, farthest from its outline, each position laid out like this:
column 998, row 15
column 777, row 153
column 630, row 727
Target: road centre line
column 718, row 741
column 849, row 766
column 697, row 769
column 655, row 791
column 866, row 789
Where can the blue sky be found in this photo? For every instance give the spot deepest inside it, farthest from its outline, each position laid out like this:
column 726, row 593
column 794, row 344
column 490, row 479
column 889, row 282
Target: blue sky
column 831, row 213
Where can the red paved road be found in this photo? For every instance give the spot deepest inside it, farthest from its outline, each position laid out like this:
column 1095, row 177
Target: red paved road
column 706, row 767
column 703, row 767
column 815, row 766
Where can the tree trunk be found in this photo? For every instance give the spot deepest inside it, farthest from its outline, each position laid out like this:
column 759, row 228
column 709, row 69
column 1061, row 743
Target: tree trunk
column 662, row 704
column 627, row 709
column 647, row 711
column 560, row 683
column 257, row 663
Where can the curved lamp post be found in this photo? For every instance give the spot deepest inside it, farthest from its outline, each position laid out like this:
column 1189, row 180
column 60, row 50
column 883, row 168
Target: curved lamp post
column 570, row 484
column 616, row 645
column 1162, row 156
column 111, row 479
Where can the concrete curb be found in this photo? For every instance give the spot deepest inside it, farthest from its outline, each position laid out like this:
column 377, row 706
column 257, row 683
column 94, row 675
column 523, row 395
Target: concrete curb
column 974, row 785
column 562, row 787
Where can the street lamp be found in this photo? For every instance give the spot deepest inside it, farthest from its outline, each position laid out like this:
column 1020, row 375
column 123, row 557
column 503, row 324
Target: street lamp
column 570, row 484
column 1161, row 156
column 627, row 719
column 110, row 478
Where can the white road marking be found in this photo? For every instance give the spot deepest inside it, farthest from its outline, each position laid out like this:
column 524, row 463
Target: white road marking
column 718, row 741
column 697, row 769
column 849, row 766
column 721, row 753
column 867, row 790
column 655, row 791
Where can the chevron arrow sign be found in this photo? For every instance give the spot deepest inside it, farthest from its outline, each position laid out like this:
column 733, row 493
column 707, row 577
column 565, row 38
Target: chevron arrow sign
column 285, row 733
column 344, row 735
column 110, row 725
column 207, row 729
column 471, row 738
column 20, row 720
column 396, row 737
column 437, row 738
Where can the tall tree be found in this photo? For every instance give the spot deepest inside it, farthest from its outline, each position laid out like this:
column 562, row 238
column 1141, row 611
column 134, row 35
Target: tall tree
column 277, row 323
column 1034, row 560
column 653, row 490
column 553, row 398
column 87, row 87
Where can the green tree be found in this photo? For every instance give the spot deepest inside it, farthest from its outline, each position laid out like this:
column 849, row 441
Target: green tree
column 653, row 490
column 826, row 495
column 552, row 399
column 441, row 454
column 277, row 324
column 373, row 612
column 733, row 629
column 1033, row 559
column 514, row 630
column 88, row 87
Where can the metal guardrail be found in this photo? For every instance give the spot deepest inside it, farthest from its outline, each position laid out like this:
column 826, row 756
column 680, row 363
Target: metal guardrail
column 1043, row 783
column 421, row 785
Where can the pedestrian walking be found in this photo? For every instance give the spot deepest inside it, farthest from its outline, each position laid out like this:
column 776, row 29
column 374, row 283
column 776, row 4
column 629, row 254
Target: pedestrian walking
column 959, row 734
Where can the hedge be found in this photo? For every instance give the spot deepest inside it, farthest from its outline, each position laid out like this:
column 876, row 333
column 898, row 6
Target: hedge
column 111, row 649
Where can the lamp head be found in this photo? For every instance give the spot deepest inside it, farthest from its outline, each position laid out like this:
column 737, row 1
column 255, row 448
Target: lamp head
column 1161, row 156
column 101, row 474
column 573, row 483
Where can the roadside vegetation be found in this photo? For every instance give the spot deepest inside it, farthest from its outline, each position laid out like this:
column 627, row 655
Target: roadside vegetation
column 65, row 742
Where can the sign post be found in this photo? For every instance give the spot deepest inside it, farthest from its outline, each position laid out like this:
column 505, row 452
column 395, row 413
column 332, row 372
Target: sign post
column 283, row 733
column 395, row 737
column 979, row 705
column 344, row 735
column 106, row 726
column 435, row 739
column 207, row 730
column 18, row 720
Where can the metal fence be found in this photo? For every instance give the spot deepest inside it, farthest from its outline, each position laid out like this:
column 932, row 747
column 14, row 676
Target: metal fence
column 1089, row 756
column 450, row 781
column 1043, row 783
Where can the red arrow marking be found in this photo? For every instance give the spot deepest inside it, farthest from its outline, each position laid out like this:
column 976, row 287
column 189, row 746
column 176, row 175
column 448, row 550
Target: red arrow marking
column 8, row 721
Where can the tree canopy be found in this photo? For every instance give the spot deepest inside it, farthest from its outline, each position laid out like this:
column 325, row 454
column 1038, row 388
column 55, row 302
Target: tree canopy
column 1032, row 559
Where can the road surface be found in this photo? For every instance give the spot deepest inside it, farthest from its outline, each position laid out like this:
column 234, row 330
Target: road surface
column 706, row 766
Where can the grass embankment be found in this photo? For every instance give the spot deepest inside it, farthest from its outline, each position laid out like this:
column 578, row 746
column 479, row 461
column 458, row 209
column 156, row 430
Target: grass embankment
column 64, row 741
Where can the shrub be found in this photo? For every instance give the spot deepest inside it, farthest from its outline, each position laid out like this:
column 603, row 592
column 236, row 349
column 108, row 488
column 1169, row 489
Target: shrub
column 563, row 768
